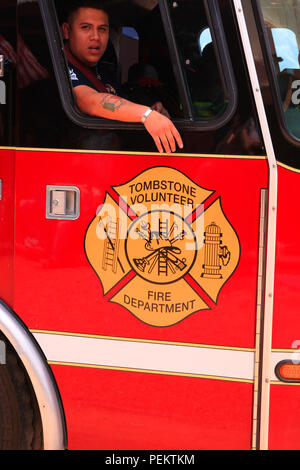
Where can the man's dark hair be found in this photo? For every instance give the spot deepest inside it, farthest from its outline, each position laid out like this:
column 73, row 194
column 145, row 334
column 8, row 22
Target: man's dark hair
column 69, row 7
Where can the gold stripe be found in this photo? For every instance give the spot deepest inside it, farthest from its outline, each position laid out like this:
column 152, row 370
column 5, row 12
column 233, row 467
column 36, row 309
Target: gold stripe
column 288, row 167
column 138, row 340
column 145, row 371
column 114, row 152
column 280, row 382
column 285, row 350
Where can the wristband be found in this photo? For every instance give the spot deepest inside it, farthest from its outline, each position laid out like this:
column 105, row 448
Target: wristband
column 146, row 114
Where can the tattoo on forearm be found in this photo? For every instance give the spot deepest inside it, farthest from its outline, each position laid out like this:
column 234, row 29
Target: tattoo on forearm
column 111, row 103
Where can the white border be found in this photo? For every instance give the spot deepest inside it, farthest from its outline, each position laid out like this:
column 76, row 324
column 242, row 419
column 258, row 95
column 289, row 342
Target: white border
column 271, row 231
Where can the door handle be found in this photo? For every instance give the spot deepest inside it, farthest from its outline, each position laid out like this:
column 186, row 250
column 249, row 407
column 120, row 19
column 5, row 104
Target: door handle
column 62, row 202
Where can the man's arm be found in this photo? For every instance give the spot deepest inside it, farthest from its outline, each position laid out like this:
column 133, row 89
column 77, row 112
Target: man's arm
column 105, row 105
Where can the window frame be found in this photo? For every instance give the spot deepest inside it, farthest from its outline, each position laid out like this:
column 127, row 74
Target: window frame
column 55, row 44
column 272, row 75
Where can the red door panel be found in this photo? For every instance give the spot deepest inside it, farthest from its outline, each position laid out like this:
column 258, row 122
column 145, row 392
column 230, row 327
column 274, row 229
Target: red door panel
column 57, row 290
column 284, row 398
column 7, row 182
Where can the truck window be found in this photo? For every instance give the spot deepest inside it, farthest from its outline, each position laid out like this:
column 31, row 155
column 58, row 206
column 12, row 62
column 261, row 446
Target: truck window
column 198, row 59
column 283, row 32
column 159, row 51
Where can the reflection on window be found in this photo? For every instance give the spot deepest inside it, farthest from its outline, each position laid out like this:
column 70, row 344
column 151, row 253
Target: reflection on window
column 286, row 47
column 284, row 35
column 204, row 39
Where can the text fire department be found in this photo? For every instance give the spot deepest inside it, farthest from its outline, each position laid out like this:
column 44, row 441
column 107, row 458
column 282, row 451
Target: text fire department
column 160, row 307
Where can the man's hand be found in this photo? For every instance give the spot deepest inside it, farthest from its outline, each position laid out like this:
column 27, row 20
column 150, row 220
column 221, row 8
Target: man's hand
column 107, row 106
column 163, row 132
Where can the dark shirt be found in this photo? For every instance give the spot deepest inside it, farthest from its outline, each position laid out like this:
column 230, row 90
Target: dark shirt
column 102, row 72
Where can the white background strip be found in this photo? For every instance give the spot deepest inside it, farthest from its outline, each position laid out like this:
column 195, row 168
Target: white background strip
column 179, row 359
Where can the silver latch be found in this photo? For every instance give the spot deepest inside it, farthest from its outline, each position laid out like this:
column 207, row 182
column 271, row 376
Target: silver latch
column 1, row 65
column 62, row 202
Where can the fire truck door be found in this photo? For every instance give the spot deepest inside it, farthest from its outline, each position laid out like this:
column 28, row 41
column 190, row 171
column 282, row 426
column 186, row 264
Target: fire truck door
column 141, row 274
column 279, row 32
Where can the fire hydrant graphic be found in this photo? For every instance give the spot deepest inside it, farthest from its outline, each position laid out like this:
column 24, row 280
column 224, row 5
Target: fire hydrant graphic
column 215, row 255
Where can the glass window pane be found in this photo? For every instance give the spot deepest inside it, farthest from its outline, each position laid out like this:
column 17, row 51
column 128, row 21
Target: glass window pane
column 282, row 20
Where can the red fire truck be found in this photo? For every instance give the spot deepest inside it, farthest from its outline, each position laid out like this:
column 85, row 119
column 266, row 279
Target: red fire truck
column 151, row 301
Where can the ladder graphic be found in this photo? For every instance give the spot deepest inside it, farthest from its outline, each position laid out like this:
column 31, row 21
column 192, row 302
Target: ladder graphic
column 164, row 229
column 162, row 263
column 111, row 246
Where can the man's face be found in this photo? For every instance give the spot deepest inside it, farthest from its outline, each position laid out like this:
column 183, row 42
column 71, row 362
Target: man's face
column 87, row 33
